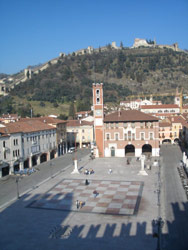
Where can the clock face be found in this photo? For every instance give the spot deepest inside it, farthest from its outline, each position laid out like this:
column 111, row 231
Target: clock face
column 98, row 113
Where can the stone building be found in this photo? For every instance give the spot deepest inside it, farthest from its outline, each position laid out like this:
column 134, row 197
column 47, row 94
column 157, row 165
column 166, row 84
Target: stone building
column 79, row 133
column 25, row 144
column 61, row 133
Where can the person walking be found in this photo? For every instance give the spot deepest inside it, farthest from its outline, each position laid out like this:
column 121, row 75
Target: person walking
column 77, row 204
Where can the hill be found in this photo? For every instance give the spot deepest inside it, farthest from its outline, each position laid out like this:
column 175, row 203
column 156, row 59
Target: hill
column 123, row 72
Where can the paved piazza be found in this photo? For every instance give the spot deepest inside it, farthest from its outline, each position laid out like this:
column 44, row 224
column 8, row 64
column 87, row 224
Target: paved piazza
column 113, row 197
column 119, row 217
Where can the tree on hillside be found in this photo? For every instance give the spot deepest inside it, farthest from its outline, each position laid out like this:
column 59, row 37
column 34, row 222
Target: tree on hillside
column 72, row 110
column 25, row 111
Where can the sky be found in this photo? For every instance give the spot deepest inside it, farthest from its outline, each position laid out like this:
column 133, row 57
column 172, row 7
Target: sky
column 36, row 31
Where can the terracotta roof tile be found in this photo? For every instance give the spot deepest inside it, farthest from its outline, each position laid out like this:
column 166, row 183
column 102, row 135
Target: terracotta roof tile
column 78, row 123
column 129, row 115
column 164, row 124
column 177, row 119
column 26, row 126
column 45, row 119
column 161, row 106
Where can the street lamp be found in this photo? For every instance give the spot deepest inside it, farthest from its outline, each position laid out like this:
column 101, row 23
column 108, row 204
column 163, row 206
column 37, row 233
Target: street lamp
column 17, row 187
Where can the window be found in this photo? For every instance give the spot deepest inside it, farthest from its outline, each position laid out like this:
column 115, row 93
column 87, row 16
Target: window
column 107, row 125
column 107, row 136
column 125, row 137
column 98, row 100
column 112, row 125
column 147, row 124
column 142, row 136
column 133, row 125
column 97, row 92
column 116, row 125
column 142, row 124
column 82, row 130
column 133, row 137
column 151, row 136
column 175, row 134
column 125, row 125
column 15, row 142
column 38, row 137
column 129, row 135
column 5, row 156
column 116, row 137
column 4, row 144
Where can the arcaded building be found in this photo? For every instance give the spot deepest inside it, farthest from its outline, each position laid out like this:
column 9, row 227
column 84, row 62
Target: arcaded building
column 124, row 132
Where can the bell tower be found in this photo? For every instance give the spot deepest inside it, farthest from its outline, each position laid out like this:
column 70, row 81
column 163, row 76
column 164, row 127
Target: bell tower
column 177, row 98
column 98, row 111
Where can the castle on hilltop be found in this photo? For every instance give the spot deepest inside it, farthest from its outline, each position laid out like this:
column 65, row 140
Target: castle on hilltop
column 144, row 43
column 8, row 83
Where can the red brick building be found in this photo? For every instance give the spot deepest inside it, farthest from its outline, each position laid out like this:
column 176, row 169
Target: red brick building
column 123, row 132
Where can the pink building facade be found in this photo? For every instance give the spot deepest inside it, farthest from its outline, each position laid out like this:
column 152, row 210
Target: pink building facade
column 124, row 133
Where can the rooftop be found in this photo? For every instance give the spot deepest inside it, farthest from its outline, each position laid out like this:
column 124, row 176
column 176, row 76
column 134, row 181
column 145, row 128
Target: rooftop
column 25, row 126
column 44, row 119
column 78, row 123
column 129, row 115
column 161, row 106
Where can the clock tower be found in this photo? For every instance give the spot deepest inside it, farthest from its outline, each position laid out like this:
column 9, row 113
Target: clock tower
column 98, row 118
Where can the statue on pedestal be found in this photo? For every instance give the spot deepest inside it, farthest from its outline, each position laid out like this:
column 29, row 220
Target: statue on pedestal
column 142, row 171
column 75, row 171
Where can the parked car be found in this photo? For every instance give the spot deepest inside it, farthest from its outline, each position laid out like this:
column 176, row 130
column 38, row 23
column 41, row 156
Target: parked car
column 71, row 150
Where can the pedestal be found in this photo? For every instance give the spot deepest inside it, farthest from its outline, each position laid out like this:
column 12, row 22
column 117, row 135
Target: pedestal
column 75, row 171
column 142, row 171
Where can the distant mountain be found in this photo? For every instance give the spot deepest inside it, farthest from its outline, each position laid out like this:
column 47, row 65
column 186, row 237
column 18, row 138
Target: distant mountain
column 124, row 71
